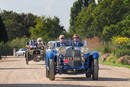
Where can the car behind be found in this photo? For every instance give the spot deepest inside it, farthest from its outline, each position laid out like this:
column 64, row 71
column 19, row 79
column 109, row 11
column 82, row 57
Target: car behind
column 21, row 52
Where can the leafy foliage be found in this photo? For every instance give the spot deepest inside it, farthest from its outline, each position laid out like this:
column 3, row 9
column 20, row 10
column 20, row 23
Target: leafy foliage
column 3, row 33
column 122, row 28
column 75, row 10
column 84, row 20
column 97, row 19
column 5, row 49
column 18, row 42
column 111, row 59
column 122, row 52
column 106, row 49
column 17, row 25
column 47, row 28
column 122, row 41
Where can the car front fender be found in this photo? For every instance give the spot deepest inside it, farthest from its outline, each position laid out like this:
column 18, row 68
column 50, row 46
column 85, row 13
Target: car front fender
column 87, row 55
column 95, row 55
column 50, row 55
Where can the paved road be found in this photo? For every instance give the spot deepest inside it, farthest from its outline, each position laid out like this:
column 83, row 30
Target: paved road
column 15, row 73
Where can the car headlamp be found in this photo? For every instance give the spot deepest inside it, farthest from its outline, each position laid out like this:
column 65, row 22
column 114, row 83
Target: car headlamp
column 62, row 50
column 84, row 50
column 51, row 45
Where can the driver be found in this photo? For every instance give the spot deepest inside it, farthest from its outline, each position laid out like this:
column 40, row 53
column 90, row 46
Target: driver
column 61, row 40
column 76, row 41
column 40, row 43
column 32, row 43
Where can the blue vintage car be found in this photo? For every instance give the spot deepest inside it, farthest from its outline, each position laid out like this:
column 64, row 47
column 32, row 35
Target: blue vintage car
column 70, row 59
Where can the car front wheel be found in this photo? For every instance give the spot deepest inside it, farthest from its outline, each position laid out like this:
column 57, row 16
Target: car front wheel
column 51, row 69
column 95, row 68
column 27, row 57
column 47, row 72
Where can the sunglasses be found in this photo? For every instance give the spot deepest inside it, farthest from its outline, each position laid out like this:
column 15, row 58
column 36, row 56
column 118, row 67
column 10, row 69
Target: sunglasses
column 76, row 37
column 61, row 38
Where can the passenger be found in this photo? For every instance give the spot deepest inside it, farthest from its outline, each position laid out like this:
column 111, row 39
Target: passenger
column 61, row 40
column 27, row 45
column 76, row 41
column 32, row 43
column 40, row 43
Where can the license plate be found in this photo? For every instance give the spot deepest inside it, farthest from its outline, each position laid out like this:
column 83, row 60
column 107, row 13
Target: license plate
column 76, row 59
column 70, row 58
column 38, row 56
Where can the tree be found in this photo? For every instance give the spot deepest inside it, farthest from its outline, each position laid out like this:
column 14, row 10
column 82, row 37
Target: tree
column 17, row 25
column 84, row 20
column 27, row 20
column 3, row 33
column 18, row 42
column 92, row 19
column 47, row 28
column 121, row 29
column 76, row 8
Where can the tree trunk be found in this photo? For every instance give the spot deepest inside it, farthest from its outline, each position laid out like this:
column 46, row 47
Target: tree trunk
column 0, row 57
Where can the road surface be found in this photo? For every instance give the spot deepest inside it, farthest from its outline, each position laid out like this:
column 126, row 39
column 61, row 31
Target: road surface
column 15, row 73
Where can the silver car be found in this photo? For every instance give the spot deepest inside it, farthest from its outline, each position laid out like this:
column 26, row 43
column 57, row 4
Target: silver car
column 21, row 52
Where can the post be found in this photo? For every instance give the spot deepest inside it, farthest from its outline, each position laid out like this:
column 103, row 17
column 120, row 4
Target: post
column 0, row 57
column 14, row 52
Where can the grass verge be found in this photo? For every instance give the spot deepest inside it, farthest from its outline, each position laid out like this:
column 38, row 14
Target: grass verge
column 112, row 64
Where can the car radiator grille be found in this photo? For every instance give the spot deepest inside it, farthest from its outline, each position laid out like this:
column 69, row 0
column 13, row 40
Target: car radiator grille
column 36, row 52
column 74, row 57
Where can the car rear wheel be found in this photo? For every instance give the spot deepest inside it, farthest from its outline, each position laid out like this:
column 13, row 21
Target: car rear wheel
column 47, row 69
column 88, row 75
column 95, row 68
column 26, row 57
column 27, row 61
column 47, row 72
column 51, row 69
column 42, row 57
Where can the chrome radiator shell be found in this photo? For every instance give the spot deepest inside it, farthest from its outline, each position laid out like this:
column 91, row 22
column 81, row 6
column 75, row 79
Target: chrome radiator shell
column 74, row 57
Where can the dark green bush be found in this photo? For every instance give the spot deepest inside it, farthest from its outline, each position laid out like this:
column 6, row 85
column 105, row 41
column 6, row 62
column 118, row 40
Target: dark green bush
column 111, row 59
column 122, row 52
column 124, row 61
column 106, row 49
column 18, row 42
column 128, row 46
column 5, row 49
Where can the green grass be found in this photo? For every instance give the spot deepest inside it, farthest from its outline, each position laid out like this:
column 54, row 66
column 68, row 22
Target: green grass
column 111, row 64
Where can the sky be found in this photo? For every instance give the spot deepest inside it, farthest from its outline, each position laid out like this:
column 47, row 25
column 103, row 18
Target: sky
column 48, row 8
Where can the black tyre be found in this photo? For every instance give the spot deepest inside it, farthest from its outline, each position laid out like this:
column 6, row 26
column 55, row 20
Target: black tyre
column 51, row 69
column 42, row 57
column 47, row 72
column 27, row 61
column 29, row 57
column 26, row 57
column 95, row 68
column 88, row 75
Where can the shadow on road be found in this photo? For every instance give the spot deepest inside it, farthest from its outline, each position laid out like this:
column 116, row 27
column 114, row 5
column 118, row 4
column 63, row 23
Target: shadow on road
column 12, row 60
column 104, row 69
column 44, row 85
column 17, row 69
column 14, row 57
column 37, row 64
column 113, row 79
column 89, row 79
